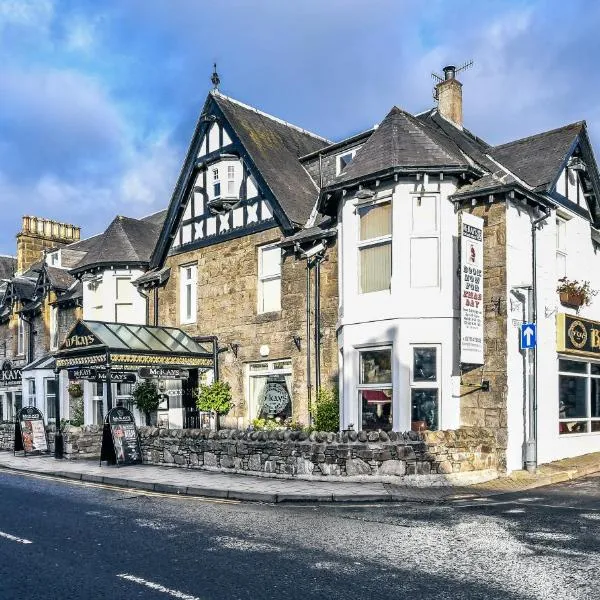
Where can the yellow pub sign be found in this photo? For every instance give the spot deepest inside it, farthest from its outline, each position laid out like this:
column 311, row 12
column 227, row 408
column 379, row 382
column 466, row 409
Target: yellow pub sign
column 575, row 335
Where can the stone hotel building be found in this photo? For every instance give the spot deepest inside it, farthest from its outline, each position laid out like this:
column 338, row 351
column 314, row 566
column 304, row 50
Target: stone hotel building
column 427, row 275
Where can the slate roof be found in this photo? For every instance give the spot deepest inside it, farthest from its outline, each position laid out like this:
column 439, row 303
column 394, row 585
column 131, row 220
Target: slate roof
column 154, row 276
column 60, row 279
column 23, row 287
column 402, row 140
column 125, row 241
column 75, row 292
column 275, row 148
column 8, row 264
column 537, row 159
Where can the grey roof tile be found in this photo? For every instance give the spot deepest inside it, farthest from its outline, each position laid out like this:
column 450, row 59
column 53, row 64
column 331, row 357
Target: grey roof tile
column 275, row 148
column 402, row 140
column 537, row 159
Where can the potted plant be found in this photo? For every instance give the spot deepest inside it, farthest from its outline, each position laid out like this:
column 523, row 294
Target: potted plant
column 146, row 397
column 75, row 390
column 215, row 399
column 574, row 293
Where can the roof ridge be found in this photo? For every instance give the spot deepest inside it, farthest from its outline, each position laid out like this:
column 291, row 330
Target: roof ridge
column 120, row 219
column 535, row 135
column 269, row 116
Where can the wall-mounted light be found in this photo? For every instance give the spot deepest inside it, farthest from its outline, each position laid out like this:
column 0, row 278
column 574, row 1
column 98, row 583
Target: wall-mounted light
column 298, row 341
column 234, row 346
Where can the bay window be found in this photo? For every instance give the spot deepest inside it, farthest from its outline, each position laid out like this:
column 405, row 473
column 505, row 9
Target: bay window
column 375, row 389
column 375, row 247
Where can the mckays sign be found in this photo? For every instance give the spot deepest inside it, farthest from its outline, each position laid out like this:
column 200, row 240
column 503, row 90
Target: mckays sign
column 471, row 290
column 163, row 373
column 10, row 376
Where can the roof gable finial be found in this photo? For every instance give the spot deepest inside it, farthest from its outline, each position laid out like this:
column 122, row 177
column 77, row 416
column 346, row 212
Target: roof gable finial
column 215, row 79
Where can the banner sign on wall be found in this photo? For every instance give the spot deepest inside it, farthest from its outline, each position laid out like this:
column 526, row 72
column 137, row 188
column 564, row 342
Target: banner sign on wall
column 471, row 290
column 30, row 432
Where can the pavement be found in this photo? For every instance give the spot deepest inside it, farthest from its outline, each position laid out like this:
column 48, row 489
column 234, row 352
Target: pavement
column 209, row 484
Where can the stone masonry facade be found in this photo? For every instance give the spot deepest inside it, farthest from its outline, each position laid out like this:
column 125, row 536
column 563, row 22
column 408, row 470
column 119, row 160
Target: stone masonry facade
column 227, row 307
column 480, row 408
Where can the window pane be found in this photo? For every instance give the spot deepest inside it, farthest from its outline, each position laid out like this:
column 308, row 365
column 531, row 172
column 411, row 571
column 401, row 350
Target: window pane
column 376, row 366
column 424, row 262
column 595, row 425
column 595, row 368
column 270, row 262
column 50, row 386
column 572, row 366
column 188, row 302
column 345, row 160
column 572, row 427
column 376, row 408
column 425, row 364
column 595, row 397
column 124, row 289
column 375, row 221
column 375, row 268
column 572, row 397
column 425, row 409
column 271, row 295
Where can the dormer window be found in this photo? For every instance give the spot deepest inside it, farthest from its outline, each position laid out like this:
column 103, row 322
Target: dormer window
column 216, row 183
column 344, row 159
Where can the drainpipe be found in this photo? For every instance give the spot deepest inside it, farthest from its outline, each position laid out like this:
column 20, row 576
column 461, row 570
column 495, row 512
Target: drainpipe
column 317, row 264
column 308, row 342
column 531, row 447
column 156, row 306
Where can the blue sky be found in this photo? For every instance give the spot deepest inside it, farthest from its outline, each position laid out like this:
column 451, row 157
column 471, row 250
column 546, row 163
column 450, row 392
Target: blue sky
column 98, row 100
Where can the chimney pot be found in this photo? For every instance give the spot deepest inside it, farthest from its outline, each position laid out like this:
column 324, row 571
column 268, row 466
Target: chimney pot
column 449, row 72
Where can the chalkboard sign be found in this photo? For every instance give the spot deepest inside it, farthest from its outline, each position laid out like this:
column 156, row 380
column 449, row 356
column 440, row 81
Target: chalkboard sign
column 30, row 431
column 120, row 441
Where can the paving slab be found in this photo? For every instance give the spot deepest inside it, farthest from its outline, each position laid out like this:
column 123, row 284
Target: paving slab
column 252, row 488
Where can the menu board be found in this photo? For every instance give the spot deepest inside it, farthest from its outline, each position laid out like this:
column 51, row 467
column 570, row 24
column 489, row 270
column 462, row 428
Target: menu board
column 120, row 442
column 30, row 431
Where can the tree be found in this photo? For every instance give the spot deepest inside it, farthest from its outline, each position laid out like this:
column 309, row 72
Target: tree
column 215, row 399
column 146, row 397
column 326, row 411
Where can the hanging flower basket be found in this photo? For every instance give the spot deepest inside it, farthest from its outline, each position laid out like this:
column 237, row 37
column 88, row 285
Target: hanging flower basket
column 575, row 294
column 75, row 390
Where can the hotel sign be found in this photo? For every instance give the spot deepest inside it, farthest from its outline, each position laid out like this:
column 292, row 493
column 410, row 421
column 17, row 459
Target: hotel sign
column 80, row 338
column 9, row 376
column 575, row 335
column 471, row 290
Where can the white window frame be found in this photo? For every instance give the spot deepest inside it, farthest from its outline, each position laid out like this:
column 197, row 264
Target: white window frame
column 52, row 397
column 372, row 242
column 437, row 384
column 231, row 181
column 262, row 279
column 588, row 376
column 216, row 182
column 375, row 386
column 20, row 336
column 117, row 303
column 186, row 317
column 97, row 400
column 268, row 370
column 54, row 327
column 31, row 393
column 338, row 159
column 561, row 245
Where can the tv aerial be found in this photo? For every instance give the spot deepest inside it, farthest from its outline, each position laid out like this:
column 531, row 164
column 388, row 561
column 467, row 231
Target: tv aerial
column 450, row 72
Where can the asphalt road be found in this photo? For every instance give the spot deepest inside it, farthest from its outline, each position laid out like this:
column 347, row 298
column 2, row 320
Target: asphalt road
column 61, row 540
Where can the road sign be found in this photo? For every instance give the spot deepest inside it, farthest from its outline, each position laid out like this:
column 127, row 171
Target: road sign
column 528, row 336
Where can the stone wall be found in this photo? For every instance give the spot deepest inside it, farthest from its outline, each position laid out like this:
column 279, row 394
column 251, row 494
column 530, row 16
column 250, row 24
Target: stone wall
column 293, row 453
column 480, row 408
column 227, row 307
column 287, row 453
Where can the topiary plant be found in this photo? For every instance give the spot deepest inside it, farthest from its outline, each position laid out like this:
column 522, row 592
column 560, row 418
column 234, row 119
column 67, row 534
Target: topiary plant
column 215, row 399
column 146, row 397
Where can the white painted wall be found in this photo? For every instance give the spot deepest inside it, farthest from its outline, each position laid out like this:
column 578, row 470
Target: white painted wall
column 583, row 263
column 100, row 297
column 403, row 316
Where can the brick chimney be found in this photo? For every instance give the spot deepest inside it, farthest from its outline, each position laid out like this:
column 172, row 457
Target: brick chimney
column 38, row 234
column 449, row 97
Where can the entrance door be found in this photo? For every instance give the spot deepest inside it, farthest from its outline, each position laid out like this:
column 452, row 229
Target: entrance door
column 188, row 387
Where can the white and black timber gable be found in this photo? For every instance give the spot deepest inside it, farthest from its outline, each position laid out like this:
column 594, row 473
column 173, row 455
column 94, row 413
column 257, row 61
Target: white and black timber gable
column 241, row 175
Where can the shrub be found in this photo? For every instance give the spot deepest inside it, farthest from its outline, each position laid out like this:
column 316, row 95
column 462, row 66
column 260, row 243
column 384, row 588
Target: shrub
column 326, row 410
column 146, row 397
column 215, row 399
